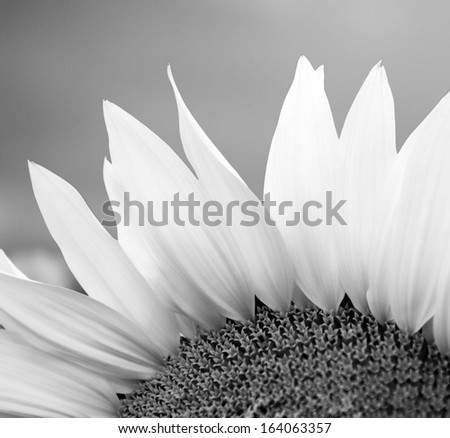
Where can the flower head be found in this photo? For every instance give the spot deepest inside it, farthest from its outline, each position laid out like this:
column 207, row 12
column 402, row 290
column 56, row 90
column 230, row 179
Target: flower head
column 152, row 284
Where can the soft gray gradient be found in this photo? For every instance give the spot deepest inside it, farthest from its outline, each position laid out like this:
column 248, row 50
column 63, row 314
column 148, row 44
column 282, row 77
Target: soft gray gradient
column 233, row 61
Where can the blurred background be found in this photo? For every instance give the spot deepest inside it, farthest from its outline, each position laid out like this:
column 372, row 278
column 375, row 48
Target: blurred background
column 233, row 61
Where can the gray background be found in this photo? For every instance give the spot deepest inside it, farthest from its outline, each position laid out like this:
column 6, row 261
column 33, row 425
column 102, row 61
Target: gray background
column 233, row 61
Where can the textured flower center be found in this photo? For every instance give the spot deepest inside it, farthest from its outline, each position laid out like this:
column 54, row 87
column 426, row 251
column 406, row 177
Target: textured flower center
column 303, row 363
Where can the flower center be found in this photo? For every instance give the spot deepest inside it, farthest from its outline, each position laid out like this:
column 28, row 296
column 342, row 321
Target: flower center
column 305, row 363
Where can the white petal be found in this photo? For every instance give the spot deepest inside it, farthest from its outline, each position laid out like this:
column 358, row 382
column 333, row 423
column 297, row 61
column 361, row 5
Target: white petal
column 258, row 248
column 410, row 266
column 368, row 149
column 34, row 384
column 300, row 169
column 60, row 320
column 129, row 237
column 97, row 261
column 198, row 275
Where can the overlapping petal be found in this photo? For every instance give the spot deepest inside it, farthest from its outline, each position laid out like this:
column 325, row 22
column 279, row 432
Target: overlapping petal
column 98, row 262
column 75, row 326
column 409, row 271
column 301, row 168
column 37, row 384
column 367, row 145
column 255, row 246
column 207, row 271
column 199, row 279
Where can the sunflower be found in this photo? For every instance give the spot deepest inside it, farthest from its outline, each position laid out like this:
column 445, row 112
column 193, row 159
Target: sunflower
column 68, row 354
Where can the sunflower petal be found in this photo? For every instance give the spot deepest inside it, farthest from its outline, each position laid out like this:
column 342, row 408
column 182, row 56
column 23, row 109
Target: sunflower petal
column 86, row 330
column 409, row 268
column 300, row 169
column 368, row 149
column 37, row 384
column 97, row 261
column 198, row 274
column 128, row 236
column 259, row 246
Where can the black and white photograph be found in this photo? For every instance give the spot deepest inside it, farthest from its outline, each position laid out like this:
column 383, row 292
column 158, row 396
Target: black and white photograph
column 225, row 217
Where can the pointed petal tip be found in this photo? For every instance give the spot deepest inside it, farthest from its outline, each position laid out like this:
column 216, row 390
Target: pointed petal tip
column 112, row 110
column 377, row 75
column 35, row 168
column 109, row 106
column 305, row 71
column 303, row 62
column 177, row 93
column 105, row 105
column 377, row 69
column 113, row 113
